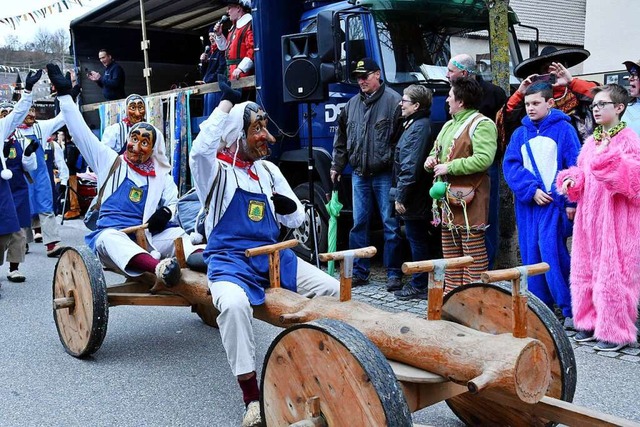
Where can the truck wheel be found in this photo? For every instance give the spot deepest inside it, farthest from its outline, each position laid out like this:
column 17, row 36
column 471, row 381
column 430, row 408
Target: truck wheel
column 303, row 233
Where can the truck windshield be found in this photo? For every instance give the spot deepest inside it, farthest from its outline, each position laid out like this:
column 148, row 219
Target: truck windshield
column 412, row 48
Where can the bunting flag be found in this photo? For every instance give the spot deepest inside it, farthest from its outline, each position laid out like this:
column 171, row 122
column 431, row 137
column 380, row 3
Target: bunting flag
column 42, row 13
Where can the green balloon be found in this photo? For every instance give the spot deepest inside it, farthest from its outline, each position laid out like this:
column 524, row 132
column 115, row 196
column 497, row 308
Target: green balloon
column 438, row 190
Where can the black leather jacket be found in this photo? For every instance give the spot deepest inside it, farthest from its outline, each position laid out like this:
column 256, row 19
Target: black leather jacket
column 365, row 128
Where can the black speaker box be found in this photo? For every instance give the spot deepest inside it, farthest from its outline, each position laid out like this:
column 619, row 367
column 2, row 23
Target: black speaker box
column 301, row 69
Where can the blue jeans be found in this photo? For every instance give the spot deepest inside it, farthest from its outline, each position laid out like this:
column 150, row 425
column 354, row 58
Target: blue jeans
column 492, row 234
column 365, row 192
column 416, row 231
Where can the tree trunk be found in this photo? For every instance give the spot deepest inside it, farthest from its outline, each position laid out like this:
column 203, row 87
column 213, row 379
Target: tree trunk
column 508, row 251
column 478, row 360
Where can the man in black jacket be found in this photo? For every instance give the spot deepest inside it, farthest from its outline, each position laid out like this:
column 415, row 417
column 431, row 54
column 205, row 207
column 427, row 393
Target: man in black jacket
column 365, row 127
column 112, row 82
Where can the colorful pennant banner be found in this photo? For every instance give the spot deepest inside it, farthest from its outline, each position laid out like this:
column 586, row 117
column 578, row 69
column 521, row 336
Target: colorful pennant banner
column 42, row 13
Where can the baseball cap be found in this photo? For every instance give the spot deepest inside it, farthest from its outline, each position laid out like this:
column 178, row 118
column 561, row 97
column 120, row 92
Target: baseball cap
column 364, row 66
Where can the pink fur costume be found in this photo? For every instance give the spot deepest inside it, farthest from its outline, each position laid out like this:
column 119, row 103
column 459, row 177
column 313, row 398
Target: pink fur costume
column 605, row 258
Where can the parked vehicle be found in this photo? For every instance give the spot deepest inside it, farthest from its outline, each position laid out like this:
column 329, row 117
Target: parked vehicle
column 318, row 40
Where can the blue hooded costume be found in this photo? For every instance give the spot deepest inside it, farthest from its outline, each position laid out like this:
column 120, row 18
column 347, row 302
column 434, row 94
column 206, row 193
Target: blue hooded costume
column 535, row 154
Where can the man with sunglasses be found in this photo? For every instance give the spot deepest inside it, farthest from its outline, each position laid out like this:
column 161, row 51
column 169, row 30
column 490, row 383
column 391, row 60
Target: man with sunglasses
column 632, row 113
column 363, row 139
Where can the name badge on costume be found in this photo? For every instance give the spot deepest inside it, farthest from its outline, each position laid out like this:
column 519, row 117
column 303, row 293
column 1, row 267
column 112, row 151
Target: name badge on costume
column 135, row 195
column 12, row 153
column 256, row 210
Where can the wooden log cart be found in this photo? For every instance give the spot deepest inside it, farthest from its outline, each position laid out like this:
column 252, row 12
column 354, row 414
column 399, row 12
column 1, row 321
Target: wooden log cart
column 494, row 353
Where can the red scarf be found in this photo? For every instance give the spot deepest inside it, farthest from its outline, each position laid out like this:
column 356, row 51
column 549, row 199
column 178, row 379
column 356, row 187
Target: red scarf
column 145, row 169
column 127, row 122
column 23, row 126
column 226, row 156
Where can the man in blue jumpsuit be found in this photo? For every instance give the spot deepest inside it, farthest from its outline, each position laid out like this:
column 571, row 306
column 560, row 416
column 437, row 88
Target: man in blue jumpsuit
column 32, row 136
column 20, row 163
column 138, row 189
column 10, row 231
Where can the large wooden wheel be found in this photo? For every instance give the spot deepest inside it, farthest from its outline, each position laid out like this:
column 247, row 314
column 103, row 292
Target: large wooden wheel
column 352, row 380
column 81, row 326
column 487, row 308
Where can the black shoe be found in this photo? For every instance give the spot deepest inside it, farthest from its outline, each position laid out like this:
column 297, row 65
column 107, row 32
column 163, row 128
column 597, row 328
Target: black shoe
column 584, row 336
column 394, row 284
column 409, row 292
column 359, row 281
column 168, row 270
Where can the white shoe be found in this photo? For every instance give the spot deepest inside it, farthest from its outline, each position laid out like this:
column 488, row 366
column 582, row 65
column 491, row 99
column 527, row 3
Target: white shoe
column 37, row 237
column 252, row 416
column 16, row 276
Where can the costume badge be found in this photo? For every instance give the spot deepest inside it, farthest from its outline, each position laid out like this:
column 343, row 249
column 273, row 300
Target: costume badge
column 12, row 153
column 256, row 210
column 135, row 195
column 46, row 157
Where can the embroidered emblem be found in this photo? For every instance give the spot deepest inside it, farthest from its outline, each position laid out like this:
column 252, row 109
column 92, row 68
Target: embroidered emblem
column 135, row 195
column 46, row 156
column 256, row 210
column 12, row 153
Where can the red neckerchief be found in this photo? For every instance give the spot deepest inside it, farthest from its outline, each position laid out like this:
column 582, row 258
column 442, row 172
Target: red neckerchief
column 127, row 122
column 225, row 156
column 23, row 126
column 145, row 169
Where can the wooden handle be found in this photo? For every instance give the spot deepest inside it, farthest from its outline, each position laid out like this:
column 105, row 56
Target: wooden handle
column 367, row 252
column 513, row 273
column 268, row 249
column 426, row 266
column 134, row 228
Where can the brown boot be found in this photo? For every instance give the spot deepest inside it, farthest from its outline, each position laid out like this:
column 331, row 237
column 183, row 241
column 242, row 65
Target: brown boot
column 74, row 207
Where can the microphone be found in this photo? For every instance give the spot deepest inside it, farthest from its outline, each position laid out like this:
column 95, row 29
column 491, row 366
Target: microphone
column 224, row 19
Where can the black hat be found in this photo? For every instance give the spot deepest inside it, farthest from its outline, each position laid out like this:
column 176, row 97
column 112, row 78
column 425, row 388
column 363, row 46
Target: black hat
column 364, row 66
column 632, row 67
column 568, row 57
column 245, row 4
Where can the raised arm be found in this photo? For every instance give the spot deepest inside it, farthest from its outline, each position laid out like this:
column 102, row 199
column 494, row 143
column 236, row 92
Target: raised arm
column 202, row 158
column 98, row 156
column 16, row 116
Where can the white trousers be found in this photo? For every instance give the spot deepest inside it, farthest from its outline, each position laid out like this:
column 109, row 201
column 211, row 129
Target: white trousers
column 236, row 314
column 115, row 249
column 14, row 244
column 47, row 223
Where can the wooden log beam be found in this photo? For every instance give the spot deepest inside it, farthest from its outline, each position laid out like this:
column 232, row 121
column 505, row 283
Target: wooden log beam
column 463, row 355
column 147, row 299
column 477, row 360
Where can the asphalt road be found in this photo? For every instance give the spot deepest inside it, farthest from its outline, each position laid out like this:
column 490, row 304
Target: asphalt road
column 164, row 367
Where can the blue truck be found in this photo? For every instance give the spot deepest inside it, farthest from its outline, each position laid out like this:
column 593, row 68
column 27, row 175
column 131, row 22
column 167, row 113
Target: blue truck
column 304, row 52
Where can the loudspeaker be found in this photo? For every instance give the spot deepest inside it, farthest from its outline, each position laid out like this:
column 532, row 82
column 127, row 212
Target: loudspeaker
column 301, row 64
